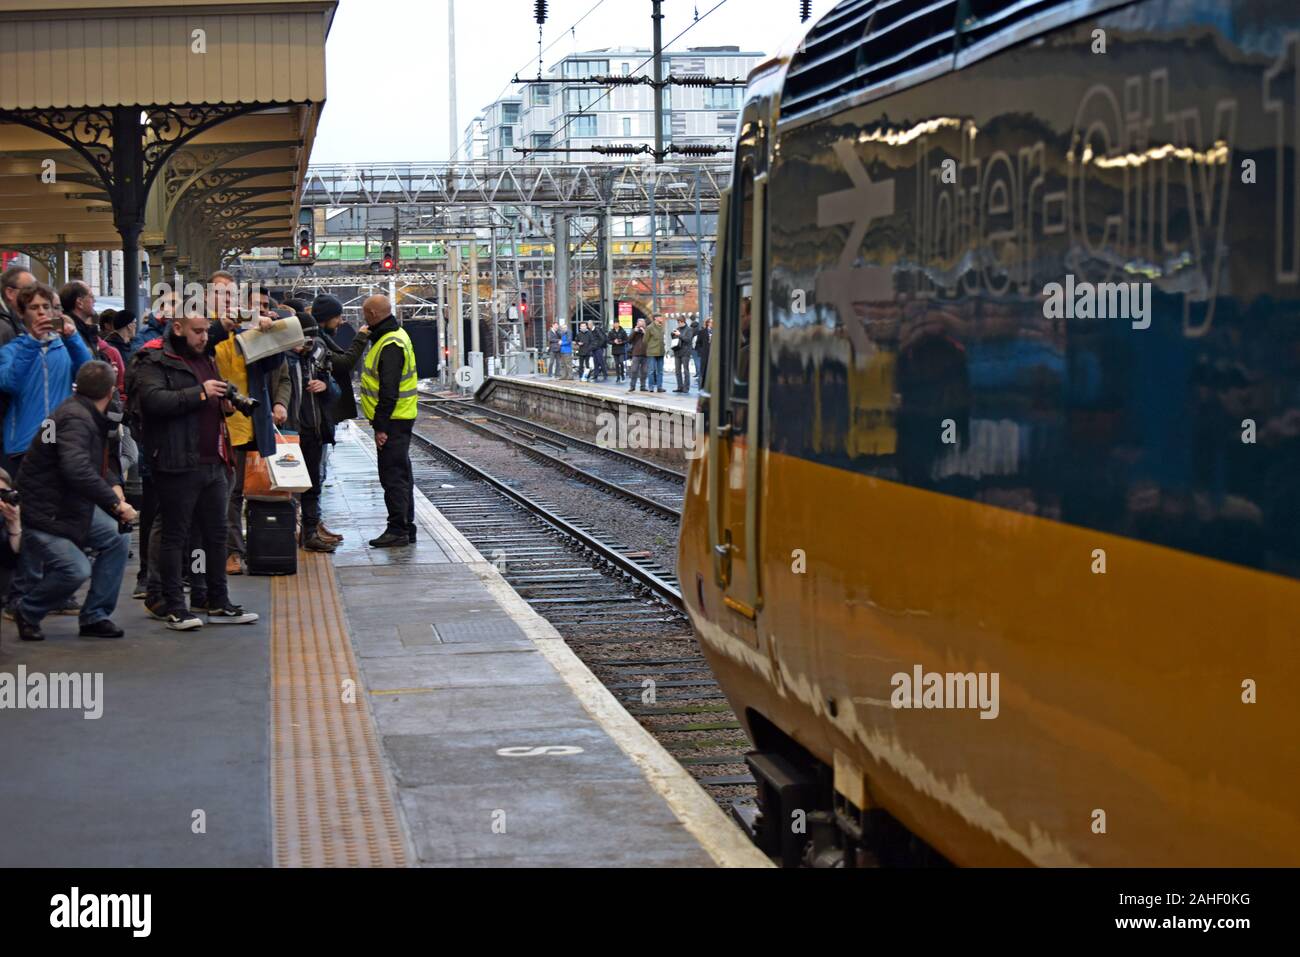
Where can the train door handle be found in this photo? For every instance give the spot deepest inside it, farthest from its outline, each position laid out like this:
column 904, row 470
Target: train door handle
column 723, row 555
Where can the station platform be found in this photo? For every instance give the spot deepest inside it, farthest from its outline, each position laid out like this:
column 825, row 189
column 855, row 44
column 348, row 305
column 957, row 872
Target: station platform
column 617, row 392
column 602, row 412
column 391, row 708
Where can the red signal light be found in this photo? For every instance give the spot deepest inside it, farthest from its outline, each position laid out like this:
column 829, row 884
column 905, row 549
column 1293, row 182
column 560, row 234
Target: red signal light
column 304, row 252
column 388, row 264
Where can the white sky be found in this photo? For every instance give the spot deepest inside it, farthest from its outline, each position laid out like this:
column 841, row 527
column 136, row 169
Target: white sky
column 386, row 60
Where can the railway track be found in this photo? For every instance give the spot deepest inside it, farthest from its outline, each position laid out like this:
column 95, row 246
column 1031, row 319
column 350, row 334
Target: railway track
column 647, row 485
column 618, row 608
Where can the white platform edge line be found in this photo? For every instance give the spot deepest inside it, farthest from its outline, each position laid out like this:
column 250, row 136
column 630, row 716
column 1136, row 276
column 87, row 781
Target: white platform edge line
column 721, row 839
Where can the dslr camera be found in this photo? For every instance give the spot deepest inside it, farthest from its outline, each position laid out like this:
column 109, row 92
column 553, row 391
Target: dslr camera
column 10, row 496
column 244, row 404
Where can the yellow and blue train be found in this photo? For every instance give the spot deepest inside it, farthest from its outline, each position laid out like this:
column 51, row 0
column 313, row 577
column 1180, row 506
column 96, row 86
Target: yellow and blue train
column 996, row 544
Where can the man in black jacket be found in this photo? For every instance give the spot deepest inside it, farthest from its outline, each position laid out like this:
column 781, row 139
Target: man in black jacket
column 598, row 343
column 328, row 313
column 617, row 339
column 309, row 416
column 181, row 399
column 553, row 339
column 71, row 485
column 583, row 344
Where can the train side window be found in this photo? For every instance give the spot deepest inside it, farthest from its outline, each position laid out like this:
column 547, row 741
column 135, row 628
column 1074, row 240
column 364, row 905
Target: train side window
column 738, row 335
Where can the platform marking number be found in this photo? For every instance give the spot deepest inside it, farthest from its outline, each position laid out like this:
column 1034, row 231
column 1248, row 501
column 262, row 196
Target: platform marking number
column 560, row 750
column 349, row 689
column 465, row 376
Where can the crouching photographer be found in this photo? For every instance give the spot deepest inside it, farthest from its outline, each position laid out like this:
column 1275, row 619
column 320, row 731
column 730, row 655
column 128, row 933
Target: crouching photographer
column 73, row 505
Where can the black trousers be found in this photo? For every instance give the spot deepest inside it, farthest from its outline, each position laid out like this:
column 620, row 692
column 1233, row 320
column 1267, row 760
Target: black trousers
column 583, row 362
column 618, row 367
column 396, row 477
column 682, row 363
column 311, row 455
column 199, row 497
column 148, row 513
column 600, row 365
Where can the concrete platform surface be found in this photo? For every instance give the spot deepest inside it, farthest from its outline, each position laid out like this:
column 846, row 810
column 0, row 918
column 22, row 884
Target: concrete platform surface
column 174, row 771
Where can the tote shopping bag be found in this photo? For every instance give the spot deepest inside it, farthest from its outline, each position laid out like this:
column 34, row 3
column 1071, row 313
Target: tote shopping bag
column 287, row 467
column 257, row 475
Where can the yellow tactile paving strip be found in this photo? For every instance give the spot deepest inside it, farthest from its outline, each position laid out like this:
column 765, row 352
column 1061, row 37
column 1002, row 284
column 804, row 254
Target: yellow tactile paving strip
column 330, row 798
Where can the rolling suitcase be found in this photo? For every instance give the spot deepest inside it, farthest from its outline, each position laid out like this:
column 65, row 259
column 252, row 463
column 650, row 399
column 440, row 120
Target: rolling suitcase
column 271, row 540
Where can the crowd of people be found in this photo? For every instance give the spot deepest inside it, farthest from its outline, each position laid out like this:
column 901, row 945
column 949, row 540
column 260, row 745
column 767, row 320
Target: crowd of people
column 635, row 354
column 111, row 422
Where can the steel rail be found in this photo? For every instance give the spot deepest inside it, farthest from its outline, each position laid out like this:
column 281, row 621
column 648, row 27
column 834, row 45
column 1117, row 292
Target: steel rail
column 650, row 504
column 661, row 588
column 661, row 470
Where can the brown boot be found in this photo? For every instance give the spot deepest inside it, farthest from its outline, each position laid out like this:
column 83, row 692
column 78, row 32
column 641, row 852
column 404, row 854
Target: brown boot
column 234, row 566
column 325, row 535
column 315, row 544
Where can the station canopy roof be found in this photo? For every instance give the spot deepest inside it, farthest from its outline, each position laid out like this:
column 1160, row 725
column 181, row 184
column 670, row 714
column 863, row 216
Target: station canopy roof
column 223, row 99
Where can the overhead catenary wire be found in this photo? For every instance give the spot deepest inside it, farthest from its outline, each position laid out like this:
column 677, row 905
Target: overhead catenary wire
column 583, row 111
column 573, row 26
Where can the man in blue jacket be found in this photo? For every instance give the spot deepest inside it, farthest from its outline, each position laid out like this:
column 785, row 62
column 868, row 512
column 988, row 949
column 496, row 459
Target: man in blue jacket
column 37, row 369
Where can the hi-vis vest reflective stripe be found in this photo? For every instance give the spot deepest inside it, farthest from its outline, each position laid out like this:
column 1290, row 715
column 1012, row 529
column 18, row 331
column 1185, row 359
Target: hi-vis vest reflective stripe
column 407, row 390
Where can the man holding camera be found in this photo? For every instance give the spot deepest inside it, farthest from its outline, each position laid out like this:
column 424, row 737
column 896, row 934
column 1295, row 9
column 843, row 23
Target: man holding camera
column 183, row 404
column 72, row 505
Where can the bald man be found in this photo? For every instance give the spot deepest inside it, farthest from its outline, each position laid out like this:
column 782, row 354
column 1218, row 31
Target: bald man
column 389, row 393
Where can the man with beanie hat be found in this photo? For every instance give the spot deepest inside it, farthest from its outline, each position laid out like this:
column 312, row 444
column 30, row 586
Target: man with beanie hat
column 312, row 396
column 122, row 332
column 344, row 356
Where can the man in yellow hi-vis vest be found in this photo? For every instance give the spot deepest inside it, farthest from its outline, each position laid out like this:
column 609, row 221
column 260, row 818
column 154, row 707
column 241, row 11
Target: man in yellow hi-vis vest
column 389, row 393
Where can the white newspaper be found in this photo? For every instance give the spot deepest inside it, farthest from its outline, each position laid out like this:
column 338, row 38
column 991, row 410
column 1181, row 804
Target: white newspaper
column 284, row 334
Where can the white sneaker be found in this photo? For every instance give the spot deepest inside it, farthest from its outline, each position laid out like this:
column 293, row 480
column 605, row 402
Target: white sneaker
column 231, row 615
column 186, row 622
